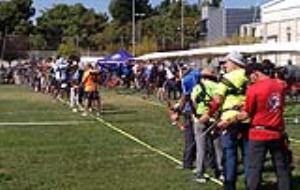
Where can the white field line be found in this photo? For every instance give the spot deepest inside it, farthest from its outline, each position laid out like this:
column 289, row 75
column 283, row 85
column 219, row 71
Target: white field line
column 46, row 123
column 33, row 112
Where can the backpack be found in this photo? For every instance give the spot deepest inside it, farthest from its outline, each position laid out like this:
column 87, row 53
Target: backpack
column 232, row 89
column 202, row 96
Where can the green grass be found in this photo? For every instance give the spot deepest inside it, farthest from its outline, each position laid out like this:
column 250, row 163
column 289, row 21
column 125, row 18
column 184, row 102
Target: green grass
column 90, row 155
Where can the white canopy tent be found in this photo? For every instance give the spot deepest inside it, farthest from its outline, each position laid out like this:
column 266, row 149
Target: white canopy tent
column 267, row 48
column 89, row 59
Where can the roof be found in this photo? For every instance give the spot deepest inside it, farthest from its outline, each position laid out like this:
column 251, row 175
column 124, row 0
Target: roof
column 267, row 48
column 120, row 56
column 276, row 5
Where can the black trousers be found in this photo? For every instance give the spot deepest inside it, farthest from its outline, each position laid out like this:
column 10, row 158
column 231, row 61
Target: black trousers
column 189, row 153
column 257, row 153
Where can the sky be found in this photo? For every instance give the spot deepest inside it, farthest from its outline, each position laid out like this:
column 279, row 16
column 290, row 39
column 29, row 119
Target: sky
column 102, row 5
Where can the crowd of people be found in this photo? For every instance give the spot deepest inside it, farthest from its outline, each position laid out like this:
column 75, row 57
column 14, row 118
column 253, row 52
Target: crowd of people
column 238, row 104
column 242, row 107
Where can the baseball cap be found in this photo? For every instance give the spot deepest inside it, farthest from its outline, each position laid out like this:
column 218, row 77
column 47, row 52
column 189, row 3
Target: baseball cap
column 236, row 58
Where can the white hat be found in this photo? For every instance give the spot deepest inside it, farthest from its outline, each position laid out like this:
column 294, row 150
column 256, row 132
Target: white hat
column 236, row 58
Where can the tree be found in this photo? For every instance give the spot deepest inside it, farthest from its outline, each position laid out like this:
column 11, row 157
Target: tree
column 164, row 5
column 15, row 15
column 70, row 21
column 147, row 45
column 212, row 3
column 37, row 42
column 68, row 49
column 15, row 27
column 121, row 10
column 165, row 25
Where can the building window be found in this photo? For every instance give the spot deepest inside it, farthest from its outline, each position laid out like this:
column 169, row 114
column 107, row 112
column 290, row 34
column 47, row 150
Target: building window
column 288, row 34
column 289, row 37
column 245, row 31
column 253, row 31
column 273, row 38
column 204, row 26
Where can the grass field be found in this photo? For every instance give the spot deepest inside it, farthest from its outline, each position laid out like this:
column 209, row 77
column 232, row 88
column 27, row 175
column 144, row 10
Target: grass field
column 89, row 155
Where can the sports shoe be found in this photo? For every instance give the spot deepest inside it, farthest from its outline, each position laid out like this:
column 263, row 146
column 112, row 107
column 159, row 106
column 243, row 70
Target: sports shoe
column 194, row 171
column 179, row 167
column 221, row 178
column 81, row 108
column 200, row 179
column 84, row 114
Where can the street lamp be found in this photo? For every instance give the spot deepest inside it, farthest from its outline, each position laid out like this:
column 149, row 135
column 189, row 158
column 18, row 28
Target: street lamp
column 140, row 15
column 134, row 14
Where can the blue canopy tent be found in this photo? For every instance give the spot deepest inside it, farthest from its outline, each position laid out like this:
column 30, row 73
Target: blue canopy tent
column 115, row 60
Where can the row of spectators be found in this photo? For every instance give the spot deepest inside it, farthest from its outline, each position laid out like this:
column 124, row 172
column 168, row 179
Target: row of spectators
column 78, row 82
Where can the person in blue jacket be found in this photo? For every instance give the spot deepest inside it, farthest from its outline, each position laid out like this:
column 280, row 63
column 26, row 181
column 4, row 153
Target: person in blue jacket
column 189, row 79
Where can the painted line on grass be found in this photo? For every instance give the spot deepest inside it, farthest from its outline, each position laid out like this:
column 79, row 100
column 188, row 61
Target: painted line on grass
column 34, row 111
column 135, row 139
column 294, row 140
column 47, row 123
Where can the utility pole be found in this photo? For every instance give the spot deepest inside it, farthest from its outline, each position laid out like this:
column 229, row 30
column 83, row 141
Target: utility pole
column 133, row 27
column 122, row 40
column 182, row 24
column 4, row 43
column 77, row 41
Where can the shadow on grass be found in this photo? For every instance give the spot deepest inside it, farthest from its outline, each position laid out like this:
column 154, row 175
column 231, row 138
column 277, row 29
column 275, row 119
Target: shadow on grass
column 120, row 112
column 267, row 185
column 108, row 107
column 111, row 109
column 273, row 186
column 296, row 182
column 126, row 92
column 5, row 175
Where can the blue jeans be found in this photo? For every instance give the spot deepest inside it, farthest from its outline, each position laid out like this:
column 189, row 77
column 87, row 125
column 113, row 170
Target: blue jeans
column 230, row 145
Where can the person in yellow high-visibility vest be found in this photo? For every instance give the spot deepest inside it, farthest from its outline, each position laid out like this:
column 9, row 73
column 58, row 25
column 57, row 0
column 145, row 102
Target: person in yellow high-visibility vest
column 201, row 96
column 229, row 99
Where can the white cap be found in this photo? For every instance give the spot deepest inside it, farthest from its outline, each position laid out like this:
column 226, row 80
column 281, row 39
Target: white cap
column 236, row 58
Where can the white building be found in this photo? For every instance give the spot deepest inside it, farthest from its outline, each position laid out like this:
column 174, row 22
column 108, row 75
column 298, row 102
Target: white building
column 280, row 22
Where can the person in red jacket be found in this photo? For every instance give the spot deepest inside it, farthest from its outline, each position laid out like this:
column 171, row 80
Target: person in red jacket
column 265, row 106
